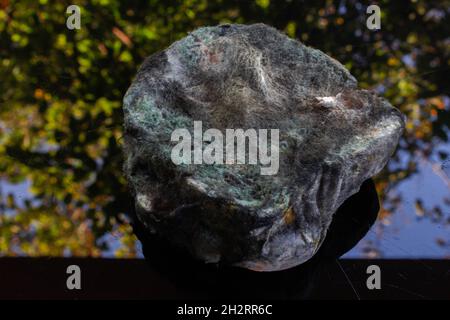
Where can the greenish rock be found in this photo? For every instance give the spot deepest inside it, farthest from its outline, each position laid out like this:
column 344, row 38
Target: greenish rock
column 332, row 137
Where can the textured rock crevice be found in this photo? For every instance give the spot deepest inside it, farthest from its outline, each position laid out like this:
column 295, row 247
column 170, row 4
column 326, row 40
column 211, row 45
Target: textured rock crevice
column 333, row 136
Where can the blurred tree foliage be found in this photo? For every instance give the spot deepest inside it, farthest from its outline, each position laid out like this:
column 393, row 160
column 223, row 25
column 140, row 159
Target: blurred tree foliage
column 61, row 92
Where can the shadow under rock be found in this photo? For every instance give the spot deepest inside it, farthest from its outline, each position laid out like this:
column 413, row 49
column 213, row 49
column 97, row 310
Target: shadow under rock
column 351, row 222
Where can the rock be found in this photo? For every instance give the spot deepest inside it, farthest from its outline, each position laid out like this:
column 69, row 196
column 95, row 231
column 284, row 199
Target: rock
column 332, row 137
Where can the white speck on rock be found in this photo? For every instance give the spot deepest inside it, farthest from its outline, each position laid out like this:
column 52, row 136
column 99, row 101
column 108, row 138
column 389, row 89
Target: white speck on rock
column 329, row 102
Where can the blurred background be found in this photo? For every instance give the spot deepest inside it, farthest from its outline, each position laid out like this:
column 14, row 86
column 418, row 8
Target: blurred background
column 62, row 192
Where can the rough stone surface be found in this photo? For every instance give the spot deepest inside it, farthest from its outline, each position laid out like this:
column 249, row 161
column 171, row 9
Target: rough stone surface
column 333, row 136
